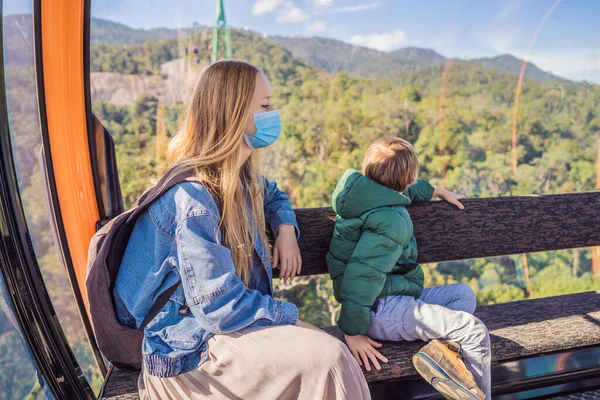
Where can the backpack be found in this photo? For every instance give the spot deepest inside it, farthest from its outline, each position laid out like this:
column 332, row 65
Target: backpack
column 121, row 345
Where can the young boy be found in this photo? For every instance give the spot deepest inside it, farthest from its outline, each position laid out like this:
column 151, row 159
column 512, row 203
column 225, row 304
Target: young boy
column 372, row 261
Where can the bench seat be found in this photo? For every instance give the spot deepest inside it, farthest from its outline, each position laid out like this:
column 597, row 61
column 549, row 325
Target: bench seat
column 518, row 330
column 485, row 228
column 593, row 394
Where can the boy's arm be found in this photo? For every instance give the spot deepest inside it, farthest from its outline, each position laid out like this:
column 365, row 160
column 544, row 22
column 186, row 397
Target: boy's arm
column 420, row 191
column 424, row 191
column 278, row 209
column 410, row 284
column 365, row 276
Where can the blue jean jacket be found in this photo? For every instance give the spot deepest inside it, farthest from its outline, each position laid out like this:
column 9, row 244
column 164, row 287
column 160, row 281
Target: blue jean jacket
column 177, row 237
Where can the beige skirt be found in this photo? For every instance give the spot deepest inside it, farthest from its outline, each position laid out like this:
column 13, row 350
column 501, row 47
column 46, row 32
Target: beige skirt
column 283, row 362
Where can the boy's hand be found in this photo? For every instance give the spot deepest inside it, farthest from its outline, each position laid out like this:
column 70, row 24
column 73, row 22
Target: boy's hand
column 286, row 253
column 363, row 348
column 450, row 197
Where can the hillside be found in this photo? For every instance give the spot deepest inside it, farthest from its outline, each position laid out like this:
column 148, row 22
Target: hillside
column 511, row 64
column 329, row 54
column 335, row 55
column 19, row 27
column 122, row 73
column 109, row 32
column 459, row 117
column 419, row 55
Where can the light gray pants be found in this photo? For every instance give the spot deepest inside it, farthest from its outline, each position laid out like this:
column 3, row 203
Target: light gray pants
column 442, row 312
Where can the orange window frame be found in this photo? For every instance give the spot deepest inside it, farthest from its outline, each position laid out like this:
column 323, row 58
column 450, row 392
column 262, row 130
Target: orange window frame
column 62, row 30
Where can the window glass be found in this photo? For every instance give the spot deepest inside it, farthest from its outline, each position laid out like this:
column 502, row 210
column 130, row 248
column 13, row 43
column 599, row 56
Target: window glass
column 20, row 78
column 498, row 98
column 20, row 377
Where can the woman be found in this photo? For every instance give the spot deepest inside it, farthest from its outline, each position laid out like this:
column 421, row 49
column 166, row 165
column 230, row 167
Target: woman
column 222, row 335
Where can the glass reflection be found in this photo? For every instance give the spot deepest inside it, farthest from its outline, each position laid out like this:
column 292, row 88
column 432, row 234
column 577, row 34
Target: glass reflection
column 26, row 142
column 20, row 377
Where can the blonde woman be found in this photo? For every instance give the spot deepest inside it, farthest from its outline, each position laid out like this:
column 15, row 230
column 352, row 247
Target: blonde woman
column 222, row 335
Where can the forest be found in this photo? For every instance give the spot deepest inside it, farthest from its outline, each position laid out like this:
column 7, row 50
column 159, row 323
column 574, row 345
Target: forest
column 458, row 115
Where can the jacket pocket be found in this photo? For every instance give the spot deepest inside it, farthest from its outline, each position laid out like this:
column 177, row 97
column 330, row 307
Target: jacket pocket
column 174, row 330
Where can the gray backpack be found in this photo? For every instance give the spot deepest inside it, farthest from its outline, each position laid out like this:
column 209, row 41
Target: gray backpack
column 121, row 345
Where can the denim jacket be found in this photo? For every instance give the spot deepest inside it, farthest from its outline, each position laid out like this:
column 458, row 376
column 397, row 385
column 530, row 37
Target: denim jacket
column 177, row 238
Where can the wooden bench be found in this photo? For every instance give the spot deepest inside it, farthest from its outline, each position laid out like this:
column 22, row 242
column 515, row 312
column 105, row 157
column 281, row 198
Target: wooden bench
column 587, row 395
column 487, row 227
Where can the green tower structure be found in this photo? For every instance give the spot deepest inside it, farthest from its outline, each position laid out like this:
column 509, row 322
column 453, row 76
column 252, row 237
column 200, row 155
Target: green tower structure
column 220, row 27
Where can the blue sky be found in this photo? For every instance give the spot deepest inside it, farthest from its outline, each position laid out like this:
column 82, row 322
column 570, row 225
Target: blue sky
column 568, row 43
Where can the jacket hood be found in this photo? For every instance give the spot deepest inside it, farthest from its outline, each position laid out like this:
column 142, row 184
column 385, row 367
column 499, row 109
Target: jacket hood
column 355, row 194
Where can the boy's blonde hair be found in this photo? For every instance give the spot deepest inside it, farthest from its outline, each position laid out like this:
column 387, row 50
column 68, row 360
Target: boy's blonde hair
column 392, row 162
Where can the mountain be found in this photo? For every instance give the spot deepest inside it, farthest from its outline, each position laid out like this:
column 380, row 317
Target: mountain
column 408, row 59
column 329, row 54
column 335, row 55
column 420, row 56
column 385, row 65
column 19, row 27
column 109, row 32
column 511, row 64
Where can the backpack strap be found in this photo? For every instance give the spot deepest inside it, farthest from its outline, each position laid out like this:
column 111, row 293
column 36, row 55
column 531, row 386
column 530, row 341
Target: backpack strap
column 167, row 182
column 160, row 302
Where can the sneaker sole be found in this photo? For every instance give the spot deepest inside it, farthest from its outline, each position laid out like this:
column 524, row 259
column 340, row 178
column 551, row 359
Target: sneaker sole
column 437, row 377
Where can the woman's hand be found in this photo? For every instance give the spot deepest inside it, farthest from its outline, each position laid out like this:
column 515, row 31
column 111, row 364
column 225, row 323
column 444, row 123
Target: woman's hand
column 364, row 348
column 286, row 253
column 450, row 197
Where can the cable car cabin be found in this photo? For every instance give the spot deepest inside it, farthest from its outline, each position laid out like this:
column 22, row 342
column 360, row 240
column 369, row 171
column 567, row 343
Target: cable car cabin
column 62, row 86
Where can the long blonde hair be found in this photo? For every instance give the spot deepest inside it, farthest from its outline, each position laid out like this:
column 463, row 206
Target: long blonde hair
column 209, row 142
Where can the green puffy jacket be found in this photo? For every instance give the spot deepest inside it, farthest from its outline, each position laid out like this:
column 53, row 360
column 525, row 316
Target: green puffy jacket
column 373, row 251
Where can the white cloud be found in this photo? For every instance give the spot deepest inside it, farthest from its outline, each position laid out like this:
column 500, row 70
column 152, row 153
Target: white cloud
column 316, row 26
column 323, row 3
column 381, row 41
column 261, row 7
column 357, row 8
column 290, row 13
column 286, row 11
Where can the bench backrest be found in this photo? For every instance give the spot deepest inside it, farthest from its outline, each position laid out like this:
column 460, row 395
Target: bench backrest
column 485, row 228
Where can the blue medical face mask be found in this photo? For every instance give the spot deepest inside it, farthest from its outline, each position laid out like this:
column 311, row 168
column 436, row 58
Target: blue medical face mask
column 268, row 128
